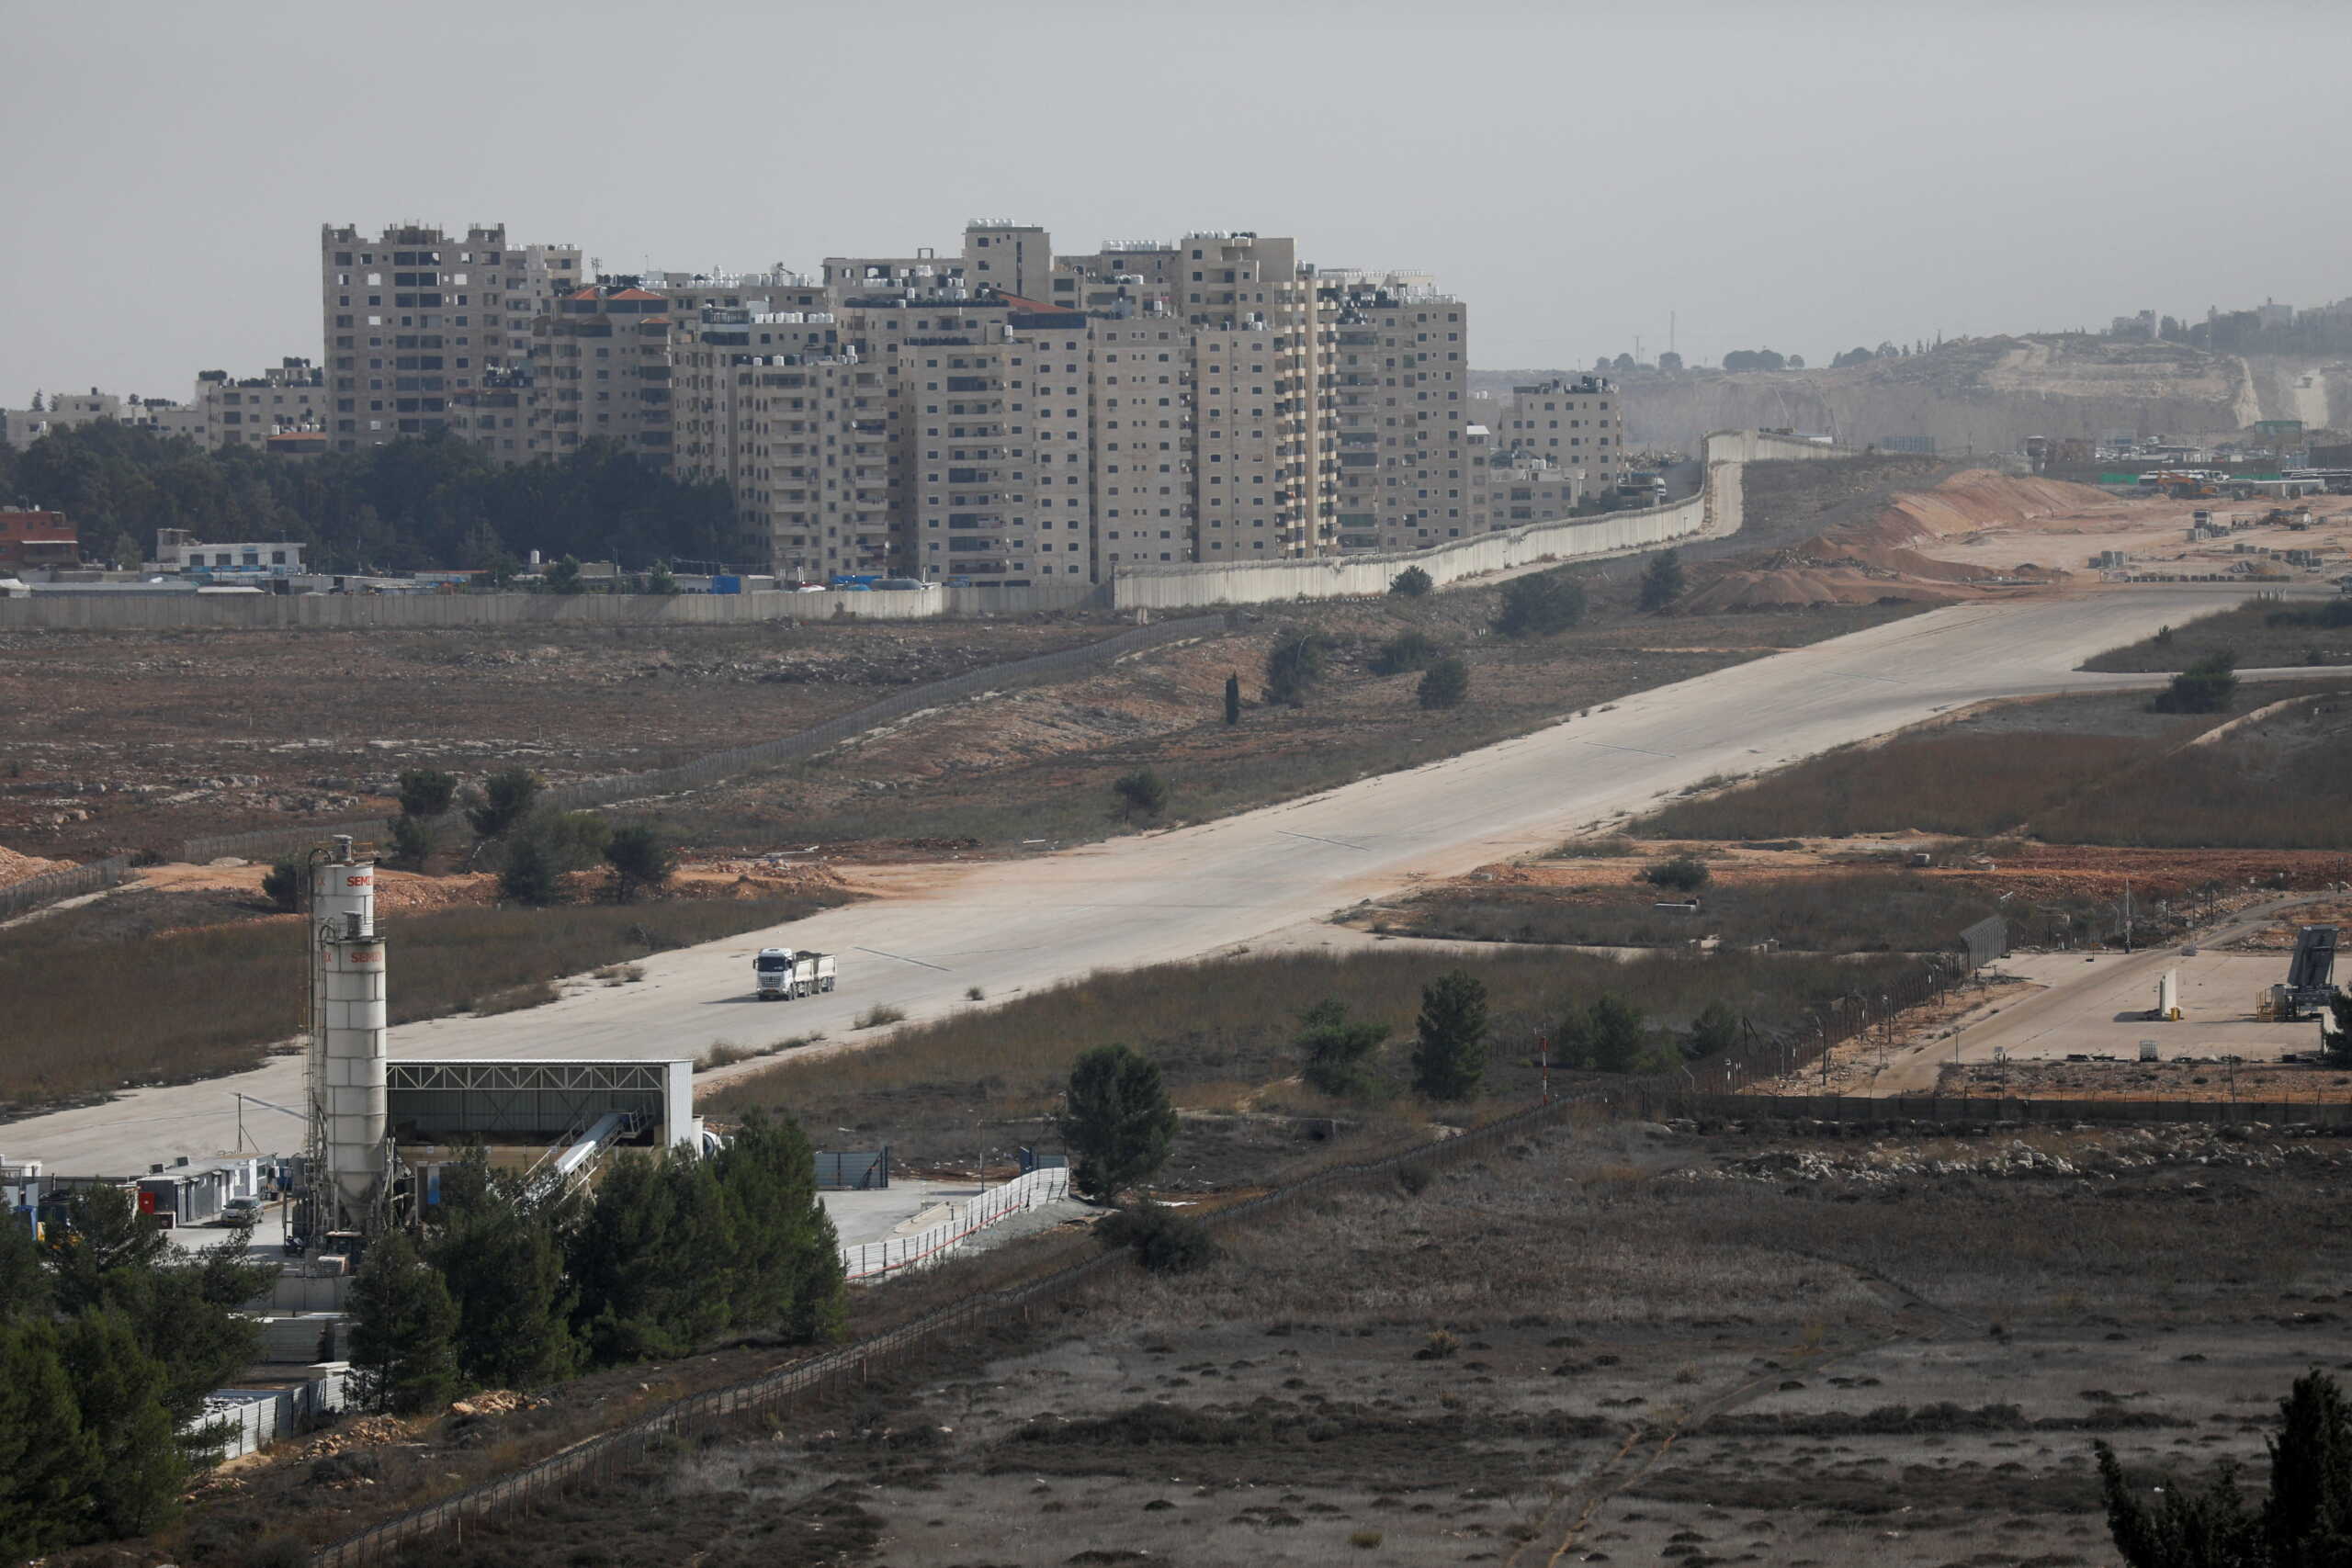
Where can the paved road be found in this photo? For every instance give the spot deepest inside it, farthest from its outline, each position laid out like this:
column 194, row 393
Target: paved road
column 2099, row 1003
column 1007, row 926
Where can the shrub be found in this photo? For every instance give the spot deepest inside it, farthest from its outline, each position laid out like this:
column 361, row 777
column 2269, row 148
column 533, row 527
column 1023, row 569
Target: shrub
column 878, row 1015
column 2210, row 685
column 1296, row 664
column 1662, row 581
column 1683, row 873
column 1715, row 1029
column 1540, row 605
column 1446, row 685
column 1607, row 1037
column 282, row 884
column 426, row 792
column 1141, row 794
column 1414, row 650
column 1164, row 1241
column 1338, row 1054
column 412, row 843
column 1411, row 583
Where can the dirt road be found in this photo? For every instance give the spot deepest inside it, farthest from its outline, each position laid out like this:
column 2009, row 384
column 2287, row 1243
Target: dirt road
column 1007, row 926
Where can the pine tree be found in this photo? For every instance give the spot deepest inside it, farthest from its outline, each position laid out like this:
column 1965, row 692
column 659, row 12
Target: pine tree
column 643, row 859
column 1450, row 1052
column 623, row 1259
column 25, row 1288
column 402, row 1330
column 120, row 1390
column 1116, row 1120
column 2308, row 1519
column 504, row 1274
column 47, row 1464
column 787, row 1254
column 103, row 1238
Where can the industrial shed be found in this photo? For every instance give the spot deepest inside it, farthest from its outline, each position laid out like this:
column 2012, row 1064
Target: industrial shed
column 539, row 1101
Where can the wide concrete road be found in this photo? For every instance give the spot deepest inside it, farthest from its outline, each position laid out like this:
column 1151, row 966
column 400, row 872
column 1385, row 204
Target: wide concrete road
column 1008, row 926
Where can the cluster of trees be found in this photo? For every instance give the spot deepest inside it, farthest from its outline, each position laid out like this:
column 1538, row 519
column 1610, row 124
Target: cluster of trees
column 516, row 1287
column 533, row 846
column 1858, row 355
column 2304, row 1521
column 1762, row 359
column 1341, row 1056
column 431, row 501
column 110, row 1340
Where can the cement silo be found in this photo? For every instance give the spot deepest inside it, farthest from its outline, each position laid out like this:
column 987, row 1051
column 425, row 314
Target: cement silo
column 349, row 1156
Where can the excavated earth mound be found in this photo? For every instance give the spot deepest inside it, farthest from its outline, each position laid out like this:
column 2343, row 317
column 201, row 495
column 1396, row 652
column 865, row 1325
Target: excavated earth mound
column 1869, row 561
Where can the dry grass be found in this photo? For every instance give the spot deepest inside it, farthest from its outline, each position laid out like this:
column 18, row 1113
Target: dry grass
column 2263, row 634
column 2264, row 786
column 1858, row 911
column 1973, row 786
column 74, row 1028
column 1220, row 1028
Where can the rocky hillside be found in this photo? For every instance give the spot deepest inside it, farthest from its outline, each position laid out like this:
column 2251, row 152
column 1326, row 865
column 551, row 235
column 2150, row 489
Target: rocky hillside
column 1987, row 395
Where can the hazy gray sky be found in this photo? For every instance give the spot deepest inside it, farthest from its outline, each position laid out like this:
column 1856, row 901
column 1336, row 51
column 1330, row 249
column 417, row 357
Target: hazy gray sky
column 1803, row 176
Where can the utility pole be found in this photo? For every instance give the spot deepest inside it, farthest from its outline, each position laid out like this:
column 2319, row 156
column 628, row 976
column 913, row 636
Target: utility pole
column 2127, row 914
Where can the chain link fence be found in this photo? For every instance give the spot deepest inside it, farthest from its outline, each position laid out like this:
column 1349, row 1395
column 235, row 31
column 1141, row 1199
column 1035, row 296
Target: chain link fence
column 601, row 1457
column 52, row 885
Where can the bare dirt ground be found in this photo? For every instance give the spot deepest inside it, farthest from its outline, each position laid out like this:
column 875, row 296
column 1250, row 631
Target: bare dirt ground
column 1975, row 532
column 1613, row 1344
column 134, row 741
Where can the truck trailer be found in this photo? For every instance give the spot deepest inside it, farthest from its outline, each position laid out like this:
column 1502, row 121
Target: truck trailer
column 784, row 973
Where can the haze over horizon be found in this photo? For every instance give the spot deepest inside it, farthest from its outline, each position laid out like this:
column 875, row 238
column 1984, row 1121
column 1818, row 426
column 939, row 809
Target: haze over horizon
column 1808, row 180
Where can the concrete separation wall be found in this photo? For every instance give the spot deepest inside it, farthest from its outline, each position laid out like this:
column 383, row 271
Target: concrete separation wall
column 1712, row 513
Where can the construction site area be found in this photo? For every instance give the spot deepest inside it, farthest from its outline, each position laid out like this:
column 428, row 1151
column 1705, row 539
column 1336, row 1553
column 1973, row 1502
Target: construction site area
column 1851, row 818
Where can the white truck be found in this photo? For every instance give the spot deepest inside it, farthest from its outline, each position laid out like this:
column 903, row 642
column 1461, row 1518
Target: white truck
column 784, row 973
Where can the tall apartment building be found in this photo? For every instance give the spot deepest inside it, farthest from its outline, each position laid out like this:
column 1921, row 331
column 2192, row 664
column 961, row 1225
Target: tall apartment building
column 414, row 320
column 1143, row 508
column 246, row 412
column 1579, row 425
column 1395, row 365
column 995, row 413
column 997, row 419
column 600, row 368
